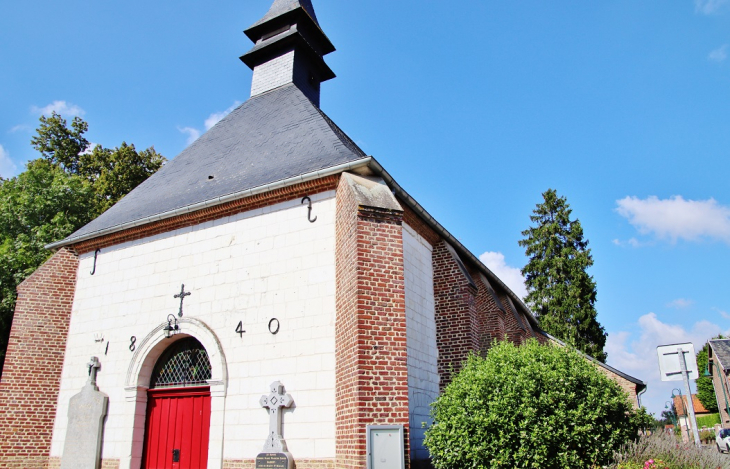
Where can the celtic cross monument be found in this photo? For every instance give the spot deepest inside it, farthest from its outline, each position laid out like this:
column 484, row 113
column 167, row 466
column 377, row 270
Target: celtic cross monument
column 275, row 454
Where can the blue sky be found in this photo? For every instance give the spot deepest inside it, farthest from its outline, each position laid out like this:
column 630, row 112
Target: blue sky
column 475, row 107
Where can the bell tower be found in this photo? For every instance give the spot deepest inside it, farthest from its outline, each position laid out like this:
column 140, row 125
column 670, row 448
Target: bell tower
column 289, row 47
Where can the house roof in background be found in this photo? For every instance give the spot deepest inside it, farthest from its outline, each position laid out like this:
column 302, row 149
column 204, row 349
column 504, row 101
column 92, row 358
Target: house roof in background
column 681, row 406
column 721, row 350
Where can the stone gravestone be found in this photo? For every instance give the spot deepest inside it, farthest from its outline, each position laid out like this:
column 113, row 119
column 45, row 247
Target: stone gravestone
column 275, row 454
column 86, row 412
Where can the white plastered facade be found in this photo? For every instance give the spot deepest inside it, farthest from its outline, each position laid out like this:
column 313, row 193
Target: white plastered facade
column 423, row 378
column 250, row 267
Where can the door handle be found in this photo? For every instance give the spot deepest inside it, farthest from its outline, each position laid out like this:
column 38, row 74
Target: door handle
column 176, row 455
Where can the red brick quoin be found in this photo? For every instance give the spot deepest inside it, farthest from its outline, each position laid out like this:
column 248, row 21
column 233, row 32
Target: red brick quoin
column 32, row 373
column 371, row 356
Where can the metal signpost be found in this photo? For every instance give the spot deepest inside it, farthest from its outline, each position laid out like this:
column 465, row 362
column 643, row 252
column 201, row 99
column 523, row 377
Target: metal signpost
column 677, row 363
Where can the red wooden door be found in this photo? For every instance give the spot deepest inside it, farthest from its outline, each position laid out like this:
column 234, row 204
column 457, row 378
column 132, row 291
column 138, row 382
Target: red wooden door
column 177, row 420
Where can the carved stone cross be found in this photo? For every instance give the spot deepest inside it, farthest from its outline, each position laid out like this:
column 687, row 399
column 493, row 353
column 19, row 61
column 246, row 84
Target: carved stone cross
column 94, row 366
column 182, row 296
column 275, row 402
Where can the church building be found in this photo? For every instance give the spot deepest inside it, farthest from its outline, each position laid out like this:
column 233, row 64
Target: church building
column 270, row 290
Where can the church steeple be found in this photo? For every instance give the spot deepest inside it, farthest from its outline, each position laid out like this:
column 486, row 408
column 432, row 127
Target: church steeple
column 289, row 47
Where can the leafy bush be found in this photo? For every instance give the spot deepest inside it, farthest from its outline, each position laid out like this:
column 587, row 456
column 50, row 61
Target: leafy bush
column 539, row 406
column 707, row 436
column 673, row 453
column 708, row 420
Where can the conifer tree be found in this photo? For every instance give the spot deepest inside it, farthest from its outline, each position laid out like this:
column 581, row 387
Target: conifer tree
column 560, row 291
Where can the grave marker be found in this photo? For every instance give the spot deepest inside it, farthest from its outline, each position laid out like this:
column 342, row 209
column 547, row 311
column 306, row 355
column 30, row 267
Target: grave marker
column 275, row 454
column 86, row 412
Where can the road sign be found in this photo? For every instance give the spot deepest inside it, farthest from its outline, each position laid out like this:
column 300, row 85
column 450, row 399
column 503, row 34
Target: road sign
column 677, row 362
column 669, row 365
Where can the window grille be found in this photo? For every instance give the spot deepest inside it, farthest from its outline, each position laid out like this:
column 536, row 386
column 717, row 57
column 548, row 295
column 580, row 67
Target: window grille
column 184, row 363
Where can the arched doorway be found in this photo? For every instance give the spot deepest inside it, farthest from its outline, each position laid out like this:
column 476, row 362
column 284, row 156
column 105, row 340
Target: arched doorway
column 177, row 426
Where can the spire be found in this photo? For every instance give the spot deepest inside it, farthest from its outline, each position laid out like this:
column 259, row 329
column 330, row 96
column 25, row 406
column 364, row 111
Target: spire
column 289, row 47
column 284, row 6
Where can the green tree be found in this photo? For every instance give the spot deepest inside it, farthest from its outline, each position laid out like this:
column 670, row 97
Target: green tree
column 41, row 205
column 60, row 144
column 56, row 195
column 705, row 388
column 560, row 291
column 541, row 406
column 112, row 173
column 669, row 416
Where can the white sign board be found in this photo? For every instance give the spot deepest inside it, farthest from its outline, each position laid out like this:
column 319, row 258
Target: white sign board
column 669, row 365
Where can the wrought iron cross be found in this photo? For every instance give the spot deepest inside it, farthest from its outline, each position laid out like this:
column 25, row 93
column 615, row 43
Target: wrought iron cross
column 275, row 402
column 182, row 296
column 94, row 366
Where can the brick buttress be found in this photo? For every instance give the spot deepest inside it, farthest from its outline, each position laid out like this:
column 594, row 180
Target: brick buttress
column 371, row 355
column 32, row 373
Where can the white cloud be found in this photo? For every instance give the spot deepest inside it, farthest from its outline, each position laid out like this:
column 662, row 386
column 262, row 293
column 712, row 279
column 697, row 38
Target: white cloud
column 633, row 242
column 676, row 218
column 511, row 276
column 191, row 132
column 709, row 7
column 7, row 167
column 216, row 117
column 722, row 313
column 18, row 128
column 680, row 303
column 59, row 107
column 637, row 356
column 719, row 54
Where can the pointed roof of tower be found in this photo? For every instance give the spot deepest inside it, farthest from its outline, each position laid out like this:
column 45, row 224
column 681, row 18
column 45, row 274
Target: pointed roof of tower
column 280, row 7
column 289, row 46
column 295, row 16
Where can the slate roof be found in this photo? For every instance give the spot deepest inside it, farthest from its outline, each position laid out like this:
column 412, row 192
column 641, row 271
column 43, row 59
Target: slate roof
column 284, row 6
column 721, row 349
column 271, row 137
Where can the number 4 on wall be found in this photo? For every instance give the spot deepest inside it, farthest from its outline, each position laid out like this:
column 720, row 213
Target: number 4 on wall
column 239, row 329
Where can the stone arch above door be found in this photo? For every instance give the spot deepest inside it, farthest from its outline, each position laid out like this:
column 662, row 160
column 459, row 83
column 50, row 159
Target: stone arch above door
column 137, row 380
column 154, row 344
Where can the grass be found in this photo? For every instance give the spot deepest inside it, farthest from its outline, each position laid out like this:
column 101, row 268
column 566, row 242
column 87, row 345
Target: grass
column 708, row 420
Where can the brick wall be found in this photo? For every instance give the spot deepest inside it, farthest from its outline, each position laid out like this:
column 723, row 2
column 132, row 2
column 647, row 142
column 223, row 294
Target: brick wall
column 491, row 314
column 628, row 387
column 298, row 464
column 32, row 374
column 371, row 356
column 457, row 330
column 55, row 463
column 525, row 327
column 513, row 325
